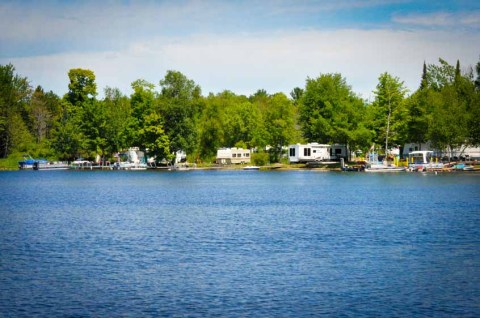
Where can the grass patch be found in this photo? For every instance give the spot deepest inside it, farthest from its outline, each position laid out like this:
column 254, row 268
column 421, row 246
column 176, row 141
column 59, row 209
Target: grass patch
column 10, row 163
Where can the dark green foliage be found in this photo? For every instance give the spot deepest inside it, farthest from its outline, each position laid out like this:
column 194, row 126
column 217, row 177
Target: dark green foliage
column 477, row 80
column 424, row 81
column 14, row 97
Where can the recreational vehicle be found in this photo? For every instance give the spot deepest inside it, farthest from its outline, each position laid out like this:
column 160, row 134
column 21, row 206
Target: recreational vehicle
column 309, row 152
column 233, row 156
column 315, row 152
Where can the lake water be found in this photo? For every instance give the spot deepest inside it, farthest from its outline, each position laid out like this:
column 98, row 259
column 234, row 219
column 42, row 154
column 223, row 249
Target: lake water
column 239, row 244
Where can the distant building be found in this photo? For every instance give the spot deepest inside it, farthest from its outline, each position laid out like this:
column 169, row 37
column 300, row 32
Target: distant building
column 233, row 156
column 461, row 153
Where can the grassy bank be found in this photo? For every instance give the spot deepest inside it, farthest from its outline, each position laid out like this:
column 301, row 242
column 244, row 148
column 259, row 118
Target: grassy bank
column 10, row 163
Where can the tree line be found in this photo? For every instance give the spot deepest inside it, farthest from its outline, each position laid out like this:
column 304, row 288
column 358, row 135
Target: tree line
column 174, row 115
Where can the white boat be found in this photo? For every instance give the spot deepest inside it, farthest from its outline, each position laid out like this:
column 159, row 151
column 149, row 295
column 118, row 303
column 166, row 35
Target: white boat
column 133, row 159
column 182, row 167
column 423, row 160
column 374, row 165
column 50, row 165
column 385, row 169
column 81, row 164
column 251, row 168
column 129, row 166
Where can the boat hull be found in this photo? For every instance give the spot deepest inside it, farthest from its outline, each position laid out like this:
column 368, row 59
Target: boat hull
column 386, row 169
column 50, row 166
column 251, row 168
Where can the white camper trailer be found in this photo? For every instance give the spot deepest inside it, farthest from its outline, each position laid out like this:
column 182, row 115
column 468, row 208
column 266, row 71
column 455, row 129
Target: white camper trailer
column 316, row 152
column 233, row 156
column 309, row 152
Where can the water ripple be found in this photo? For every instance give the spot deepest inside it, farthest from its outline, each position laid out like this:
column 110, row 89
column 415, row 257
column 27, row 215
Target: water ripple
column 235, row 244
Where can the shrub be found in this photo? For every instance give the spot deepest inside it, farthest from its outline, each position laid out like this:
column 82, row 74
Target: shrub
column 260, row 158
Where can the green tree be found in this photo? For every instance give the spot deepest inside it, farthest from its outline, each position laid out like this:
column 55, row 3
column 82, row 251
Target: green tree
column 179, row 106
column 389, row 96
column 82, row 86
column 330, row 112
column 448, row 121
column 242, row 120
column 474, row 121
column 259, row 95
column 452, row 107
column 280, row 124
column 15, row 93
column 143, row 103
column 441, row 75
column 348, row 124
column 154, row 139
column 119, row 119
column 417, row 106
column 424, row 81
column 211, row 127
column 39, row 115
column 68, row 139
column 95, row 128
column 296, row 95
column 477, row 80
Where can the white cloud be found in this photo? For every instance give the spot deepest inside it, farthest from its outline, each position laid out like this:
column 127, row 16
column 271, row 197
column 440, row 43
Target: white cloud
column 275, row 62
column 440, row 19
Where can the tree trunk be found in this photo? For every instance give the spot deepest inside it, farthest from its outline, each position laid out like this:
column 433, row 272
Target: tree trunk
column 388, row 126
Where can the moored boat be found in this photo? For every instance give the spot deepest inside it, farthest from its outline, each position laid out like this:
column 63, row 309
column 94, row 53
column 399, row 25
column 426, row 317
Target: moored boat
column 81, row 164
column 55, row 165
column 40, row 164
column 133, row 159
column 28, row 162
column 252, row 168
column 374, row 165
column 385, row 168
column 423, row 160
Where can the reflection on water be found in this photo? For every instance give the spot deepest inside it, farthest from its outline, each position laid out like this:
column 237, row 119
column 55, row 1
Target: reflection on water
column 235, row 243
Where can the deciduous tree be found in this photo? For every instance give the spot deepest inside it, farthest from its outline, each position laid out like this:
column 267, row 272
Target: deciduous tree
column 389, row 96
column 179, row 106
column 15, row 92
column 82, row 86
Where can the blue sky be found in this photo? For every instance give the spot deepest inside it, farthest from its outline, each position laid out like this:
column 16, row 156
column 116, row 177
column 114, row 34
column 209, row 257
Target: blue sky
column 241, row 46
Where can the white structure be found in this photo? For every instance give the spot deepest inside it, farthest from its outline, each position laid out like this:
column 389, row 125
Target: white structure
column 233, row 155
column 309, row 152
column 180, row 156
column 316, row 152
column 133, row 159
column 408, row 148
column 463, row 152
